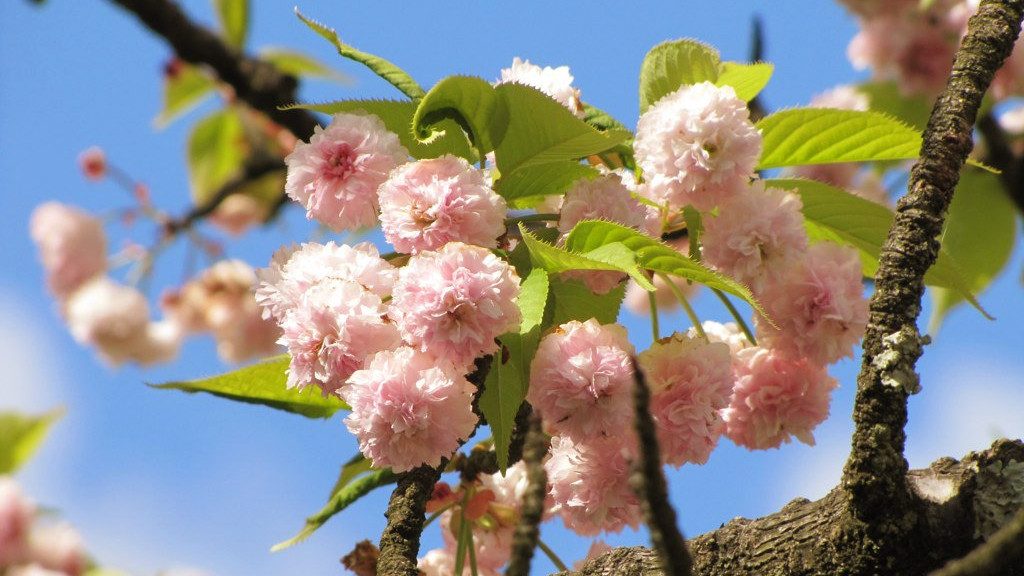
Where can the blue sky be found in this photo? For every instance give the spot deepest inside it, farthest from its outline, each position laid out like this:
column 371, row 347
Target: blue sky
column 158, row 479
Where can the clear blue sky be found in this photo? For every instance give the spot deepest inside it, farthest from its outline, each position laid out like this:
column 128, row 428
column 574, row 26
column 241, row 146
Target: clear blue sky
column 157, row 479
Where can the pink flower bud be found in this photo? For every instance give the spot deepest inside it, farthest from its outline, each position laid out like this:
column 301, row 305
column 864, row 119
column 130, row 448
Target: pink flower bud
column 93, row 163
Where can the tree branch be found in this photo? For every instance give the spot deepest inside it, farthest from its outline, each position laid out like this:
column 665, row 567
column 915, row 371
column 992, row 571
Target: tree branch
column 648, row 480
column 256, row 82
column 527, row 533
column 875, row 473
column 1003, row 552
column 400, row 542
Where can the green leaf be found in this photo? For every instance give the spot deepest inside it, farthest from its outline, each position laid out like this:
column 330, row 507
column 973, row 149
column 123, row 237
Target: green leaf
column 264, row 383
column 612, row 257
column 651, row 254
column 600, row 119
column 355, row 467
column 672, row 64
column 506, row 382
column 527, row 186
column 746, row 79
column 469, row 101
column 216, row 151
column 886, row 97
column 20, row 437
column 342, row 499
column 572, row 300
column 980, row 233
column 540, row 130
column 694, row 230
column 397, row 116
column 302, row 65
column 183, row 91
column 834, row 214
column 234, row 20
column 805, row 136
column 389, row 72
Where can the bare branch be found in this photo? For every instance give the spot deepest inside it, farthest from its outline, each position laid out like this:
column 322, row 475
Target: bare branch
column 875, row 473
column 648, row 480
column 527, row 533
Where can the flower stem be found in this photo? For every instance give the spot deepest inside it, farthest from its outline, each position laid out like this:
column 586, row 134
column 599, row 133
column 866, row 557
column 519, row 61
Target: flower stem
column 654, row 315
column 736, row 314
column 552, row 556
column 686, row 305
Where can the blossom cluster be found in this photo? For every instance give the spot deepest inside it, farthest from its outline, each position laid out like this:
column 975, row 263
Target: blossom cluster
column 115, row 317
column 30, row 545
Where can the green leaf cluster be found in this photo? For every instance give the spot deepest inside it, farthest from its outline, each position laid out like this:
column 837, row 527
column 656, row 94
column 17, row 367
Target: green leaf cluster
column 20, row 437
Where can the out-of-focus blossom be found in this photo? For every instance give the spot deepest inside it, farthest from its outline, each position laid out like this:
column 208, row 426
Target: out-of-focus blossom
column 71, row 244
column 93, row 163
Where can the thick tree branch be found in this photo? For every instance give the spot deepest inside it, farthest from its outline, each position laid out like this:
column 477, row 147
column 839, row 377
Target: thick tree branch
column 257, row 83
column 1002, row 554
column 527, row 533
column 875, row 474
column 400, row 542
column 957, row 502
column 648, row 480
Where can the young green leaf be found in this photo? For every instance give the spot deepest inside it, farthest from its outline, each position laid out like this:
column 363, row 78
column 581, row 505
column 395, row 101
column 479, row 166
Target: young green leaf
column 572, row 300
column 886, row 97
column 600, row 119
column 672, row 64
column 540, row 130
column 20, row 437
column 264, row 383
column 339, row 501
column 356, row 466
column 527, row 186
column 469, row 101
column 652, row 255
column 980, row 233
column 611, row 256
column 302, row 65
column 834, row 214
column 804, row 136
column 216, row 151
column 746, row 79
column 187, row 88
column 388, row 71
column 397, row 116
column 506, row 382
column 234, row 20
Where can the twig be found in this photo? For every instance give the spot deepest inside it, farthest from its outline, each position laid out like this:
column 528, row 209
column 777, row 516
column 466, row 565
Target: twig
column 649, row 482
column 875, row 473
column 1003, row 552
column 527, row 533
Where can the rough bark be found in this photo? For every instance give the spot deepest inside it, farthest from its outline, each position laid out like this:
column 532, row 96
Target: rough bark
column 400, row 541
column 958, row 502
column 527, row 532
column 882, row 517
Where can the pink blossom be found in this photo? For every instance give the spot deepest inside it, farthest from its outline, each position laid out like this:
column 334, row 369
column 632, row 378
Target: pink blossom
column 605, row 198
column 819, row 306
column 428, row 203
column 555, row 82
column 115, row 319
column 335, row 176
column 690, row 381
column 441, row 562
column 294, row 270
column 696, row 146
column 32, row 570
column 454, row 302
column 729, row 334
column 71, row 244
column 408, row 409
column 221, row 300
column 590, row 483
column 239, row 212
column 581, row 380
column 16, row 513
column 776, row 398
column 59, row 547
column 756, row 235
column 93, row 163
column 336, row 329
